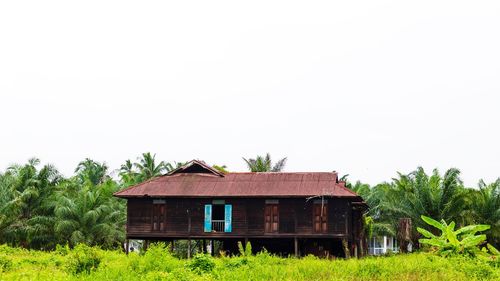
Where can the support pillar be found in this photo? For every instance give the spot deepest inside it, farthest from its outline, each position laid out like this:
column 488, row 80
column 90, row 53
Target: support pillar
column 296, row 246
column 127, row 246
column 204, row 250
column 212, row 247
column 345, row 246
column 189, row 249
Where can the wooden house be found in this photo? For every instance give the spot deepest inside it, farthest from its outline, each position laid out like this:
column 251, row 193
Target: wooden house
column 287, row 213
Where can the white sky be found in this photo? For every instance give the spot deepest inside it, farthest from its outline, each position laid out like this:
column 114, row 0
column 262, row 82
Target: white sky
column 366, row 88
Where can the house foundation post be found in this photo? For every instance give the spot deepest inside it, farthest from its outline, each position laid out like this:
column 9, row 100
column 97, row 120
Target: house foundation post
column 204, row 250
column 189, row 249
column 345, row 246
column 296, row 246
column 127, row 246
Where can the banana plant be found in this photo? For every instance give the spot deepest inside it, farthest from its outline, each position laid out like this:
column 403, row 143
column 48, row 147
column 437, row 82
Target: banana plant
column 462, row 241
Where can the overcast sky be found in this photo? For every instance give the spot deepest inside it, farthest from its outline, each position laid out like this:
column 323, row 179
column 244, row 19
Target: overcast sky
column 366, row 88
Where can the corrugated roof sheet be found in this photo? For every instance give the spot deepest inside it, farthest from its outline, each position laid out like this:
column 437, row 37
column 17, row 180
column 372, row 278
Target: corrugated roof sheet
column 241, row 185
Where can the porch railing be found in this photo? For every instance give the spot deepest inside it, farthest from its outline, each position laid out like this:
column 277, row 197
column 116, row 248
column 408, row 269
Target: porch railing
column 218, row 225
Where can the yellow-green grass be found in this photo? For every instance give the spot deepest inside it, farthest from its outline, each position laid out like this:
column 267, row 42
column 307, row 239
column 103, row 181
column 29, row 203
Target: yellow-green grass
column 158, row 264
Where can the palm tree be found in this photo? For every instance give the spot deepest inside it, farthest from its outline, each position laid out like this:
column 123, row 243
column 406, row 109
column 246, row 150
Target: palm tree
column 373, row 225
column 7, row 212
column 147, row 167
column 127, row 174
column 90, row 170
column 416, row 194
column 91, row 216
column 485, row 209
column 30, row 190
column 264, row 164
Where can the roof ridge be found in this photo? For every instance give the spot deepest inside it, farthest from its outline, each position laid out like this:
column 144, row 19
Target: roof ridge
column 282, row 173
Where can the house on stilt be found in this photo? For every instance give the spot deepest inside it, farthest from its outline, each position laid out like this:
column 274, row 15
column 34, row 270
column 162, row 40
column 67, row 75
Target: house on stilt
column 286, row 213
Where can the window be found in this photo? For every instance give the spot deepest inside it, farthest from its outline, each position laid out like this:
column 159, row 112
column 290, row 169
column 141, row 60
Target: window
column 218, row 217
column 271, row 220
column 159, row 218
column 320, row 217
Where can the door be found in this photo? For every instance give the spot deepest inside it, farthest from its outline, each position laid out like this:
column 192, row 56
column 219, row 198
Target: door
column 271, row 221
column 320, row 218
column 159, row 217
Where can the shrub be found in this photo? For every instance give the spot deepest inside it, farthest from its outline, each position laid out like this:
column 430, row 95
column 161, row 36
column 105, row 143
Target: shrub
column 463, row 241
column 83, row 259
column 245, row 252
column 157, row 258
column 202, row 263
column 62, row 250
column 5, row 263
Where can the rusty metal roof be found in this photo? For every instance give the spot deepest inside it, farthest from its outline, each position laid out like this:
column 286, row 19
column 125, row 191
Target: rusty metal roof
column 197, row 184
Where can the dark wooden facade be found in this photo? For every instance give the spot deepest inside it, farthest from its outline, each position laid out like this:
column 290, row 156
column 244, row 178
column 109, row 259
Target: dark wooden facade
column 185, row 218
column 321, row 225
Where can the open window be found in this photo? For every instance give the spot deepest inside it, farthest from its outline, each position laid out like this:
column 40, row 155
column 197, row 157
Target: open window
column 271, row 216
column 218, row 217
column 159, row 216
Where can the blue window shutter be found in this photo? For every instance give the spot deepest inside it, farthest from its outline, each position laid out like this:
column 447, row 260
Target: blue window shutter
column 208, row 218
column 228, row 218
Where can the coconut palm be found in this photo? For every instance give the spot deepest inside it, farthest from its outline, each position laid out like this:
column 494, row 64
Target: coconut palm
column 127, row 173
column 373, row 224
column 29, row 189
column 92, row 171
column 417, row 194
column 265, row 164
column 148, row 168
column 485, row 209
column 91, row 216
column 7, row 212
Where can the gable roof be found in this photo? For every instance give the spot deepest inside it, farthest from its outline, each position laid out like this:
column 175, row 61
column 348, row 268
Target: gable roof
column 195, row 166
column 182, row 183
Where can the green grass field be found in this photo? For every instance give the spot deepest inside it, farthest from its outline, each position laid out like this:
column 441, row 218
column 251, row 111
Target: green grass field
column 157, row 263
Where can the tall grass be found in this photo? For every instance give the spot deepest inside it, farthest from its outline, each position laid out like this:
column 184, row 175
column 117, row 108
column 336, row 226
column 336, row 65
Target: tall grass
column 85, row 263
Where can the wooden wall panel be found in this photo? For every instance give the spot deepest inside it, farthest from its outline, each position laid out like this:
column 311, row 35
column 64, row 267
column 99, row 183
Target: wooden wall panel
column 295, row 216
column 139, row 215
column 287, row 215
column 304, row 216
column 255, row 216
column 338, row 210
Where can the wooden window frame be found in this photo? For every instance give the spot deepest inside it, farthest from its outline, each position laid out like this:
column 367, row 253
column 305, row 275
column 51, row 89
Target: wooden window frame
column 323, row 218
column 272, row 221
column 156, row 215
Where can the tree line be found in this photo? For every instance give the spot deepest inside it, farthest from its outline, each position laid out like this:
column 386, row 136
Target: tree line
column 39, row 208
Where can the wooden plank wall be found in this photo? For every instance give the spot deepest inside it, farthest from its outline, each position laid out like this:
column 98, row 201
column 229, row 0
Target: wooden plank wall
column 247, row 217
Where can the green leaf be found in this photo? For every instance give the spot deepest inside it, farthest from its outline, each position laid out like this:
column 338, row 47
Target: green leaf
column 432, row 242
column 433, row 222
column 425, row 233
column 451, row 236
column 472, row 229
column 493, row 250
column 472, row 241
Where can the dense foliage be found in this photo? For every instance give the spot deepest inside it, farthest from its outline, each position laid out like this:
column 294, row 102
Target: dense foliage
column 39, row 208
column 442, row 197
column 463, row 241
column 85, row 263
